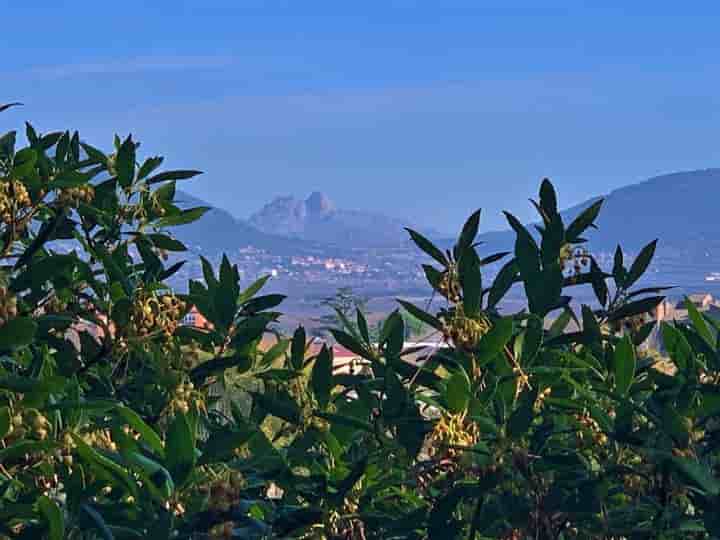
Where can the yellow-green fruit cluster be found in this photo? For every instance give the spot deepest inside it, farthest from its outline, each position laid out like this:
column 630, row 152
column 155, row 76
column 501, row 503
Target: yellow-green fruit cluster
column 14, row 197
column 589, row 423
column 75, row 195
column 183, row 397
column 28, row 423
column 449, row 285
column 152, row 314
column 8, row 305
column 453, row 430
column 465, row 332
column 100, row 439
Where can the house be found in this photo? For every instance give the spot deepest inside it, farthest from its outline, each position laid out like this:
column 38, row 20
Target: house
column 196, row 319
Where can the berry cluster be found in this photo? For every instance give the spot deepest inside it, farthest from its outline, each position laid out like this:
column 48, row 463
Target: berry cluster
column 8, row 305
column 156, row 315
column 29, row 423
column 574, row 260
column 14, row 198
column 454, row 430
column 449, row 285
column 184, row 395
column 73, row 196
column 591, row 425
column 465, row 332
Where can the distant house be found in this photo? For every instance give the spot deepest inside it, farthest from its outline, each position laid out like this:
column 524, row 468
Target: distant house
column 196, row 319
column 676, row 309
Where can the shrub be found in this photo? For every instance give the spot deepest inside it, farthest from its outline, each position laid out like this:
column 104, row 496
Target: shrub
column 118, row 422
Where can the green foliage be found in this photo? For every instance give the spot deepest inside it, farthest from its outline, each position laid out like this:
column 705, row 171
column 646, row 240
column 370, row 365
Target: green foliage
column 118, row 422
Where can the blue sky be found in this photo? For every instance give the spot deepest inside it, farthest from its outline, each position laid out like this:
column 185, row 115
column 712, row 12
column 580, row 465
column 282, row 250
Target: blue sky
column 420, row 109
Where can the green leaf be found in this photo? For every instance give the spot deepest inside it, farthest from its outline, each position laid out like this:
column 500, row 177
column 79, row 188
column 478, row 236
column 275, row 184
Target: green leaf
column 470, row 280
column 261, row 303
column 172, row 175
column 528, row 343
column 24, row 162
column 521, row 418
column 624, row 365
column 321, row 379
column 221, row 445
column 147, row 433
column 17, row 332
column 457, row 391
column 421, row 315
column 585, row 220
column 676, row 345
column 699, row 323
column 148, row 166
column 697, row 474
column 502, row 283
column 125, row 162
column 619, row 273
column 495, row 340
column 638, row 307
column 4, row 421
column 548, row 199
column 640, row 264
column 184, row 217
column 297, row 348
column 428, row 247
column 180, row 449
column 54, row 517
column 350, row 343
column 469, row 232
column 98, row 520
column 163, row 241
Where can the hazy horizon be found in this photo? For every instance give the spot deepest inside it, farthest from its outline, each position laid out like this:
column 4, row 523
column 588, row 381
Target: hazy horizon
column 400, row 108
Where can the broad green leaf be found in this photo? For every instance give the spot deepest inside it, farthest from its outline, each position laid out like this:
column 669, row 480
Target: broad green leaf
column 428, row 247
column 470, row 280
column 585, row 220
column 321, row 379
column 676, row 346
column 184, row 217
column 699, row 324
column 54, row 517
column 548, row 199
column 180, row 449
column 624, row 365
column 125, row 163
column 457, row 392
column 17, row 332
column 221, row 444
column 638, row 307
column 640, row 264
column 495, row 340
column 504, row 280
column 147, row 433
column 172, row 175
column 697, row 474
column 469, row 232
column 4, row 421
column 297, row 348
column 421, row 314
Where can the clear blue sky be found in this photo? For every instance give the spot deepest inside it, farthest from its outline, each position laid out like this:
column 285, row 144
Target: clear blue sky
column 419, row 109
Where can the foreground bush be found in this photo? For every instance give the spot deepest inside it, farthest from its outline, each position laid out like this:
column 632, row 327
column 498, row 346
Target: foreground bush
column 118, row 422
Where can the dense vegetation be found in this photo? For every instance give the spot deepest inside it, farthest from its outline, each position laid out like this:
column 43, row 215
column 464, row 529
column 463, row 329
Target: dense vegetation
column 149, row 429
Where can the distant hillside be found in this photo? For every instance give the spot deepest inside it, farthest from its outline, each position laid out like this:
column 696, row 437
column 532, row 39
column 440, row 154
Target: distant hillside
column 219, row 231
column 317, row 219
column 681, row 209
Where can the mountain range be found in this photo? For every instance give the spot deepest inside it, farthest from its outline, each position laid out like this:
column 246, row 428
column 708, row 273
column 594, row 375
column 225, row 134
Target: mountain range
column 679, row 208
column 317, row 219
